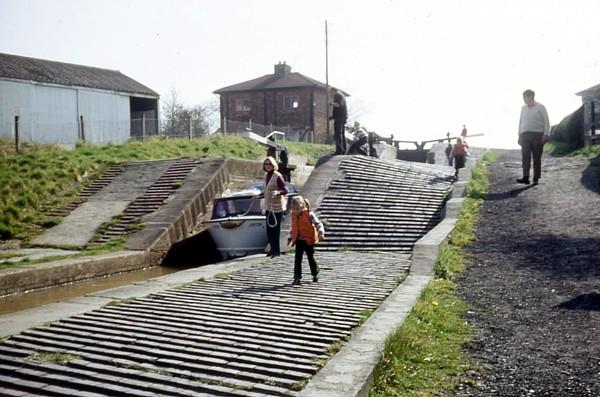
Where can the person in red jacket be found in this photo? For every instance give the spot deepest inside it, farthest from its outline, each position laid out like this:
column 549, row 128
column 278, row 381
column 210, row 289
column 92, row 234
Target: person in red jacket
column 459, row 154
column 306, row 231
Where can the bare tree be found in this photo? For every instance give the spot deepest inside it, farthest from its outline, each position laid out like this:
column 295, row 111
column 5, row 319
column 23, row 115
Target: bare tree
column 182, row 121
column 171, row 111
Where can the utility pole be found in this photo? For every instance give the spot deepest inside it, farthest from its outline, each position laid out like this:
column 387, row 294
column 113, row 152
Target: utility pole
column 326, row 81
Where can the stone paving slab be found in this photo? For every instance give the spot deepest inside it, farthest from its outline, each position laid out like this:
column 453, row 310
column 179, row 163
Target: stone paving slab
column 382, row 192
column 250, row 329
column 77, row 228
column 17, row 322
column 20, row 321
column 350, row 372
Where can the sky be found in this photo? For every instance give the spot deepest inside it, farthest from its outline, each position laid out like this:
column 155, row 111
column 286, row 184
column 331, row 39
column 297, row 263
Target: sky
column 414, row 69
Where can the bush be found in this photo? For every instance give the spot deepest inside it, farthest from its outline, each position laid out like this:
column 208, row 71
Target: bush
column 568, row 134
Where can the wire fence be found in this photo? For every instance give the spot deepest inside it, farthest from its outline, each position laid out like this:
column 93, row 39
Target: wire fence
column 33, row 130
column 233, row 127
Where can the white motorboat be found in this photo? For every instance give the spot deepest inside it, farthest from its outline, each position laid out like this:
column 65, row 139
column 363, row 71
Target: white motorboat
column 237, row 225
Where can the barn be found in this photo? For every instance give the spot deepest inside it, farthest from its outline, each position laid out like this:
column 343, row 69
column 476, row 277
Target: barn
column 591, row 114
column 54, row 102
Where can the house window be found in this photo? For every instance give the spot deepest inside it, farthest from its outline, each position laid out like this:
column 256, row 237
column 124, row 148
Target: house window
column 290, row 102
column 242, row 105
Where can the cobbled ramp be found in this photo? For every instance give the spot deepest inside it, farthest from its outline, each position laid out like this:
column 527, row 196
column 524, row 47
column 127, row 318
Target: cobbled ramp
column 372, row 204
column 250, row 333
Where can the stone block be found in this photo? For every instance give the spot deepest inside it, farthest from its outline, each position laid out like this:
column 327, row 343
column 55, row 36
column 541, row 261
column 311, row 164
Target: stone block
column 426, row 249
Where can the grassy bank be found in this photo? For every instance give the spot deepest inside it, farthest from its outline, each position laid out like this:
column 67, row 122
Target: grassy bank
column 590, row 152
column 424, row 356
column 42, row 177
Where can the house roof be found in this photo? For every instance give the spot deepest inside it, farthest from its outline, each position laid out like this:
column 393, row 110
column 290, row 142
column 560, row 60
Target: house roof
column 595, row 90
column 275, row 81
column 67, row 74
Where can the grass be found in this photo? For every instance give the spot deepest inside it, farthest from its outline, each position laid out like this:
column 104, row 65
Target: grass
column 4, row 256
column 223, row 276
column 559, row 149
column 43, row 177
column 364, row 315
column 53, row 357
column 424, row 356
column 312, row 152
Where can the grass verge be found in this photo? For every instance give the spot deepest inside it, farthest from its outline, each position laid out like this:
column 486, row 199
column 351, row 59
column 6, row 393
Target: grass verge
column 589, row 152
column 44, row 177
column 424, row 356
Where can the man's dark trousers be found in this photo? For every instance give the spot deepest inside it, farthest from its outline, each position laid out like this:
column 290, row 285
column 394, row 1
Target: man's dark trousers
column 338, row 136
column 531, row 144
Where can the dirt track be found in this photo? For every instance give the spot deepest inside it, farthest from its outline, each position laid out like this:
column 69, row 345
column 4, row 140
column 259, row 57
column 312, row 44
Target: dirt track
column 534, row 286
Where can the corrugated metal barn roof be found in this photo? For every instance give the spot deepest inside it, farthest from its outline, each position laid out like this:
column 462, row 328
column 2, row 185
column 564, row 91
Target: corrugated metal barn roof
column 43, row 71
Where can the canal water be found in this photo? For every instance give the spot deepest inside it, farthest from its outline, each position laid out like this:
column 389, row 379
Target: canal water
column 17, row 302
column 197, row 250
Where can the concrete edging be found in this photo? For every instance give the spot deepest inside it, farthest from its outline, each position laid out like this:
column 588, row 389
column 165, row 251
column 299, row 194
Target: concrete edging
column 40, row 275
column 350, row 372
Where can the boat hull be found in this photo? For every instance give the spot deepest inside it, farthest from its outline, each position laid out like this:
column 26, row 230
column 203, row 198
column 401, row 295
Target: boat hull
column 238, row 236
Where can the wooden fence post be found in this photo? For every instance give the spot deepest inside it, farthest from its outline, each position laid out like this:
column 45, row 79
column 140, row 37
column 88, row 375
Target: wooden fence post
column 82, row 128
column 17, row 134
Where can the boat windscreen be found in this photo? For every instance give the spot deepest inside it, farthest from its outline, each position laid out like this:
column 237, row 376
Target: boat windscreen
column 236, row 207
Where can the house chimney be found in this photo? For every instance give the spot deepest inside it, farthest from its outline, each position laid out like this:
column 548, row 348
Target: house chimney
column 282, row 68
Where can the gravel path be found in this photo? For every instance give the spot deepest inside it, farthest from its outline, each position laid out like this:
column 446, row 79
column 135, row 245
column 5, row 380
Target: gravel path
column 534, row 286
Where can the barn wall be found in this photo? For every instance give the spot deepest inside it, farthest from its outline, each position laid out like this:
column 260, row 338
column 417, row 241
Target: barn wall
column 46, row 114
column 50, row 114
column 105, row 116
column 54, row 115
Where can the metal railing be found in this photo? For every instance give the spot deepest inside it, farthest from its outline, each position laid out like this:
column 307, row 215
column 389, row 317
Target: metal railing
column 233, row 127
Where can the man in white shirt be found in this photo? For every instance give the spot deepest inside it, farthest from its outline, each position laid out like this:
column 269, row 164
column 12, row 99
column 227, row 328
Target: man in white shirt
column 534, row 130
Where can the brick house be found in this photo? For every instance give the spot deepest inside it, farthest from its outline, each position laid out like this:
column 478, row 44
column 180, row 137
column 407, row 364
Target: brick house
column 284, row 100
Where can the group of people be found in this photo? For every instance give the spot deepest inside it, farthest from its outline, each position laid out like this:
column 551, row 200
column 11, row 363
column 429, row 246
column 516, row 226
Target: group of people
column 339, row 115
column 306, row 230
column 363, row 141
column 457, row 153
column 534, row 132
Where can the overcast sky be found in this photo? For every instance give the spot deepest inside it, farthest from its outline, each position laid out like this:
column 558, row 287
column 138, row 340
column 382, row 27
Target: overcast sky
column 417, row 69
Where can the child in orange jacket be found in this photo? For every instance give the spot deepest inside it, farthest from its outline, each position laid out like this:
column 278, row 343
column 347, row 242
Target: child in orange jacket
column 306, row 231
